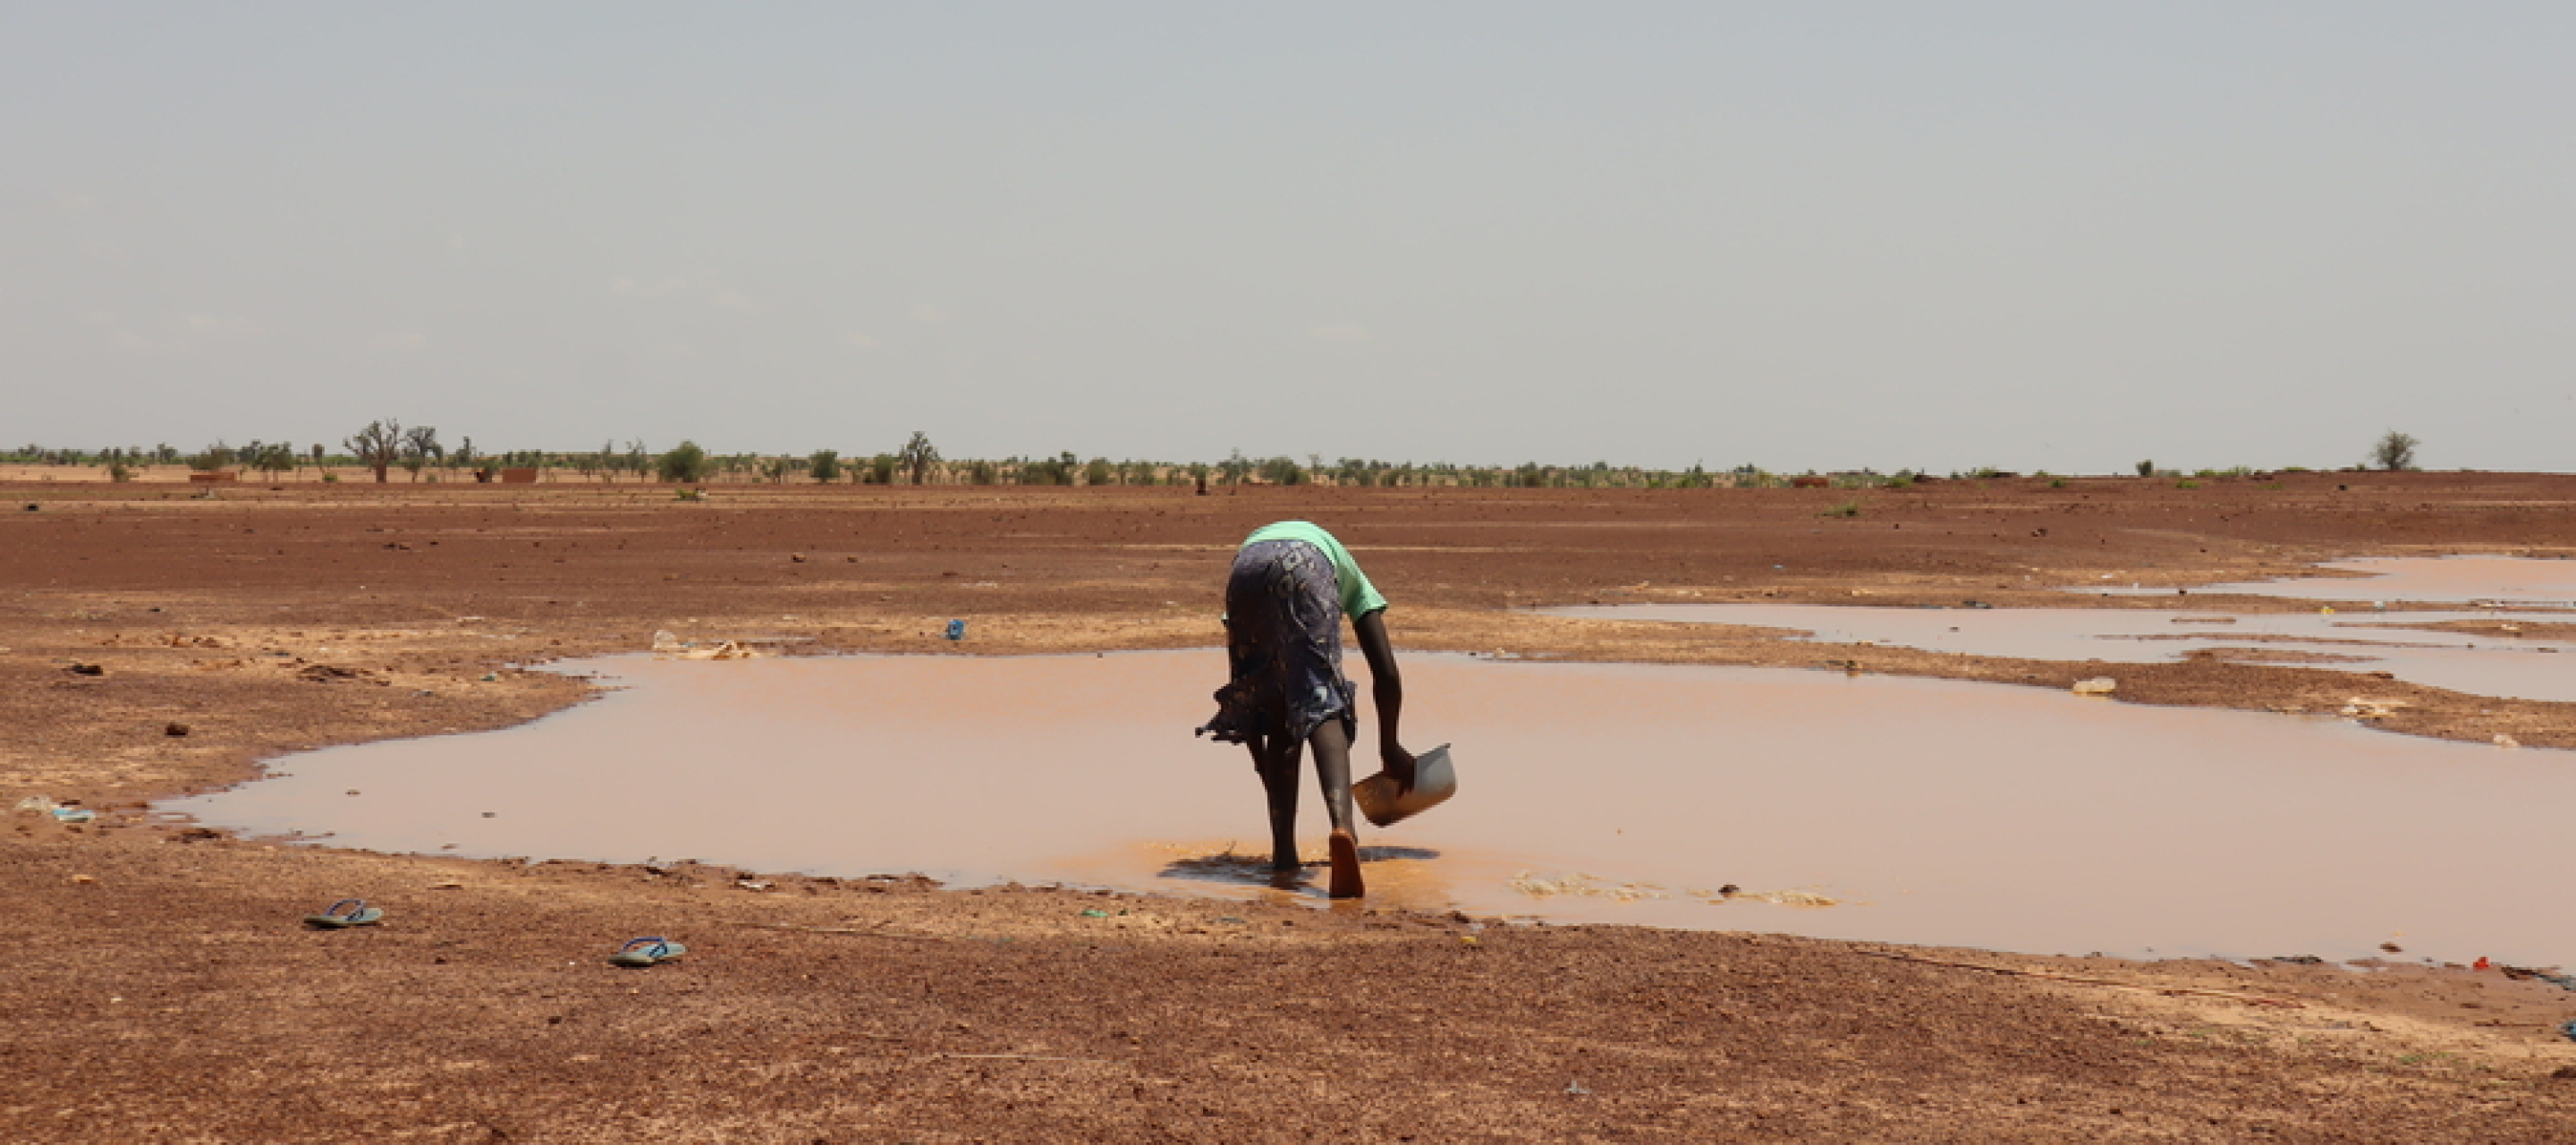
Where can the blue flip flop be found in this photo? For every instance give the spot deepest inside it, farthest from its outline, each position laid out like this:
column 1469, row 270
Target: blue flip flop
column 346, row 912
column 647, row 952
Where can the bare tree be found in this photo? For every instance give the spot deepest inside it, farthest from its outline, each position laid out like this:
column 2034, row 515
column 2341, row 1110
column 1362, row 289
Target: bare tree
column 378, row 446
column 918, row 456
column 420, row 447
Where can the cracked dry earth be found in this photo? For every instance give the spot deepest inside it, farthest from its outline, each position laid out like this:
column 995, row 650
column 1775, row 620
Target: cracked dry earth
column 160, row 988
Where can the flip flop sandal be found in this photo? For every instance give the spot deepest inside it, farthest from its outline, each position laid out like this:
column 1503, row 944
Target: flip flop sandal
column 647, row 952
column 346, row 912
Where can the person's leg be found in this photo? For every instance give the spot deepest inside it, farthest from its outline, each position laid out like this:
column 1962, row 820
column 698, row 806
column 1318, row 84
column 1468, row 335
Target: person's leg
column 1278, row 767
column 1332, row 743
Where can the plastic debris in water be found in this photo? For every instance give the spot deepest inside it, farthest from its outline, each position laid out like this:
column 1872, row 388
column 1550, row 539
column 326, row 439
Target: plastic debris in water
column 2097, row 686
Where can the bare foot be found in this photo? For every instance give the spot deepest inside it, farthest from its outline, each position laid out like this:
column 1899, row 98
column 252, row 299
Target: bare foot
column 1346, row 867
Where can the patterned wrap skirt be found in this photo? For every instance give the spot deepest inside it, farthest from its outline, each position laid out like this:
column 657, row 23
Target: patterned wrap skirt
column 1284, row 645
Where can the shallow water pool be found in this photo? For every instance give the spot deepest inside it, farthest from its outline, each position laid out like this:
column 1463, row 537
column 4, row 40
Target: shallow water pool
column 2497, row 581
column 2480, row 663
column 1934, row 811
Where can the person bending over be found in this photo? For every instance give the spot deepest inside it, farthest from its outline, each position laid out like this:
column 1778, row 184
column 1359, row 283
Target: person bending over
column 1291, row 586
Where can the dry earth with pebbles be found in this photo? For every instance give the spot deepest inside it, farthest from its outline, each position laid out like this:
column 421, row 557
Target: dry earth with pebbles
column 154, row 643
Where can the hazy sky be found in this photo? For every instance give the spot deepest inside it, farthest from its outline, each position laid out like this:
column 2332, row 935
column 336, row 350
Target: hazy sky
column 2046, row 235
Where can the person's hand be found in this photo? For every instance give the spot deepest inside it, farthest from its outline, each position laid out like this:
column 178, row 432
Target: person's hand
column 1399, row 764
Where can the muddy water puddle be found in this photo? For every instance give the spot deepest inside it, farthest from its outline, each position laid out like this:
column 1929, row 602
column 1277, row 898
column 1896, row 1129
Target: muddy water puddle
column 2485, row 662
column 1931, row 811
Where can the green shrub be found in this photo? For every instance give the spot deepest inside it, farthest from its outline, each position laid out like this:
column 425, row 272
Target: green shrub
column 1846, row 509
column 684, row 463
column 1282, row 471
column 2394, row 451
column 2186, row 483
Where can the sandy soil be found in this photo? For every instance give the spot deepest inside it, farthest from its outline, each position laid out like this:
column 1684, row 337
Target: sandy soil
column 158, row 642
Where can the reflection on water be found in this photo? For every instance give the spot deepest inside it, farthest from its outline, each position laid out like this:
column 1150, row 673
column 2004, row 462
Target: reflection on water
column 1935, row 811
column 2480, row 663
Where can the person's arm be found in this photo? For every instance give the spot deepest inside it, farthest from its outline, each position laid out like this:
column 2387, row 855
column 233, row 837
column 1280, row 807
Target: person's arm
column 1386, row 691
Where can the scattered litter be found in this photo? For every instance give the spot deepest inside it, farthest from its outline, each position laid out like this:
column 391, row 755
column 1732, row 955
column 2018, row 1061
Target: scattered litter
column 346, row 913
column 957, row 630
column 74, row 814
column 82, row 880
column 647, row 952
column 1576, row 1088
column 1095, row 913
column 722, row 650
column 752, row 884
column 2503, row 740
column 87, row 670
column 174, row 729
column 666, row 642
column 37, row 803
column 2097, row 686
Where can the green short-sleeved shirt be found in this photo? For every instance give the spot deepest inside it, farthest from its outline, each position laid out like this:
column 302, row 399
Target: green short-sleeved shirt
column 1359, row 597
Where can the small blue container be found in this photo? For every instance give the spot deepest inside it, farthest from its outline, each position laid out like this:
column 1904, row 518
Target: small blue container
column 957, row 630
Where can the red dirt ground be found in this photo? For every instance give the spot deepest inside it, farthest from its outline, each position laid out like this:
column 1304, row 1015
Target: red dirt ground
column 160, row 987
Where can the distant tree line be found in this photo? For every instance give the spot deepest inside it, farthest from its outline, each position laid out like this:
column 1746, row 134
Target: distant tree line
column 384, row 445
